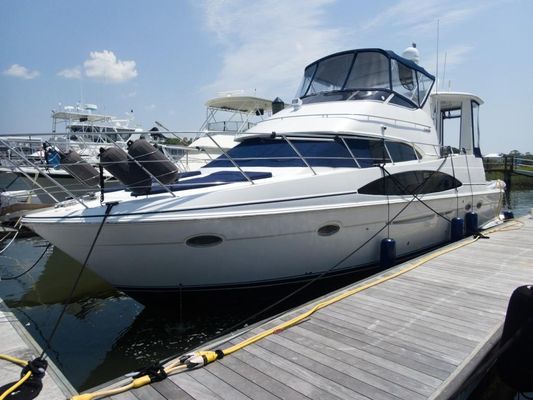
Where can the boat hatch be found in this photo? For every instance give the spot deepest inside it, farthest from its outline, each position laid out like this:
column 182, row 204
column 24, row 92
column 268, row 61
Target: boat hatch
column 369, row 74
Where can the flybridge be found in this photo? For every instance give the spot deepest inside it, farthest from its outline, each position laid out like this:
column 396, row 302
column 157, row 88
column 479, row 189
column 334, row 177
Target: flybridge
column 366, row 74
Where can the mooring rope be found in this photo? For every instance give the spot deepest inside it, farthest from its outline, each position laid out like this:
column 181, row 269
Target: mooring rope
column 77, row 281
column 9, row 278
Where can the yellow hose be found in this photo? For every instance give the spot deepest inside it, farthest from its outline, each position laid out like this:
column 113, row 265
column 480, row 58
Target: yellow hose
column 20, row 362
column 136, row 383
column 14, row 360
column 16, row 385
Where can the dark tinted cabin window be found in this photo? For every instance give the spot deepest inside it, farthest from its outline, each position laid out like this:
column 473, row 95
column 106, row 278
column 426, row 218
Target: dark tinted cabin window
column 400, row 101
column 411, row 182
column 277, row 152
column 368, row 152
column 324, row 153
column 260, row 152
column 401, row 151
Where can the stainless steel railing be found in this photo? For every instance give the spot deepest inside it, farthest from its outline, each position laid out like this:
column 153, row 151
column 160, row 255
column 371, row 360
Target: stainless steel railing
column 184, row 156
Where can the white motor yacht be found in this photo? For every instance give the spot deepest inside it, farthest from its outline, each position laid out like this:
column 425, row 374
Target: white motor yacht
column 362, row 155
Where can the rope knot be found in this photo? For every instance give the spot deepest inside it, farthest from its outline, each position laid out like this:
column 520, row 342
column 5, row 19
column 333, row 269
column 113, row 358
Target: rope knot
column 37, row 367
column 156, row 372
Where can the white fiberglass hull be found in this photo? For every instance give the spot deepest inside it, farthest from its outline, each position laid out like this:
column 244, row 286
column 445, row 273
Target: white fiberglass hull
column 259, row 248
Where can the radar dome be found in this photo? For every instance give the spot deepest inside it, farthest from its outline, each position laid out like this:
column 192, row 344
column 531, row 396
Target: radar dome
column 412, row 53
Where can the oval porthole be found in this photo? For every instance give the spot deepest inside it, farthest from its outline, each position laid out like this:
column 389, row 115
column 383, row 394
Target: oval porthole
column 468, row 207
column 204, row 241
column 328, row 230
column 479, row 205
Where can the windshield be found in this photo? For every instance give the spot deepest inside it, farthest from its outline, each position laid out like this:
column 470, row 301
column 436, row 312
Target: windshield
column 368, row 70
column 331, row 74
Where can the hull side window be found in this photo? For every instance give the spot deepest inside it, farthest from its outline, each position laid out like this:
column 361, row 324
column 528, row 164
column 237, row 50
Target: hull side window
column 410, row 183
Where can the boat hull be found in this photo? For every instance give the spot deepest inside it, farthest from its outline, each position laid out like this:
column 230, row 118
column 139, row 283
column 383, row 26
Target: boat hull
column 260, row 249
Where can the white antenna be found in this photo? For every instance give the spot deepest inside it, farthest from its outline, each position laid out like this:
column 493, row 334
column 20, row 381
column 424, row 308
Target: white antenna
column 437, row 69
column 444, row 69
column 438, row 115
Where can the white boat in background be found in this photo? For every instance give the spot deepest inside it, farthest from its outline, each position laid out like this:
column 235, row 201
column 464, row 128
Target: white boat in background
column 362, row 155
column 227, row 116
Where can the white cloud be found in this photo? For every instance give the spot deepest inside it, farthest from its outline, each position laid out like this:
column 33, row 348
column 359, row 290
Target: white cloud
column 70, row 73
column 415, row 17
column 18, row 71
column 266, row 45
column 104, row 66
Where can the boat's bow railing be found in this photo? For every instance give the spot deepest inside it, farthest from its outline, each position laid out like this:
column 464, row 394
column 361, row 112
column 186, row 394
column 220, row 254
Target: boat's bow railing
column 40, row 170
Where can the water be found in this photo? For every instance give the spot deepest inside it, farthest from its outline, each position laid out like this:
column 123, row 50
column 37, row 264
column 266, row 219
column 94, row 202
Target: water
column 104, row 333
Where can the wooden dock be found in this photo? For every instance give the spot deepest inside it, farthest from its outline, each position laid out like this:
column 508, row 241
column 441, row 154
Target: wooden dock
column 416, row 336
column 16, row 342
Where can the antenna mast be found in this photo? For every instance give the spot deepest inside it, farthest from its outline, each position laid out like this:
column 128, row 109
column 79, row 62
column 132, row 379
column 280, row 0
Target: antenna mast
column 437, row 68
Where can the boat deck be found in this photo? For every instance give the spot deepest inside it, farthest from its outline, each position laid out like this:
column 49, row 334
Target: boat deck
column 418, row 335
column 16, row 342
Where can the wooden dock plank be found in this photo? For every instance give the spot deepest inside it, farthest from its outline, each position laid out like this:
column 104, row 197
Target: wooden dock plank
column 125, row 396
column 277, row 377
column 349, row 351
column 412, row 340
column 338, row 349
column 475, row 298
column 224, row 390
column 169, row 390
column 409, row 311
column 383, row 346
column 366, row 305
column 482, row 319
column 419, row 324
column 194, row 388
column 424, row 339
column 150, row 393
column 247, row 368
column 350, row 376
column 236, row 381
column 330, row 389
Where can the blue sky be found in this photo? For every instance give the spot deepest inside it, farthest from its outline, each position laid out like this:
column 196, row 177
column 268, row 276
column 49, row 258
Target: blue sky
column 164, row 59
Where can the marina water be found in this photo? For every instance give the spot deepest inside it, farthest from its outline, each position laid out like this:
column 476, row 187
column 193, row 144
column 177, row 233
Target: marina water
column 105, row 334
